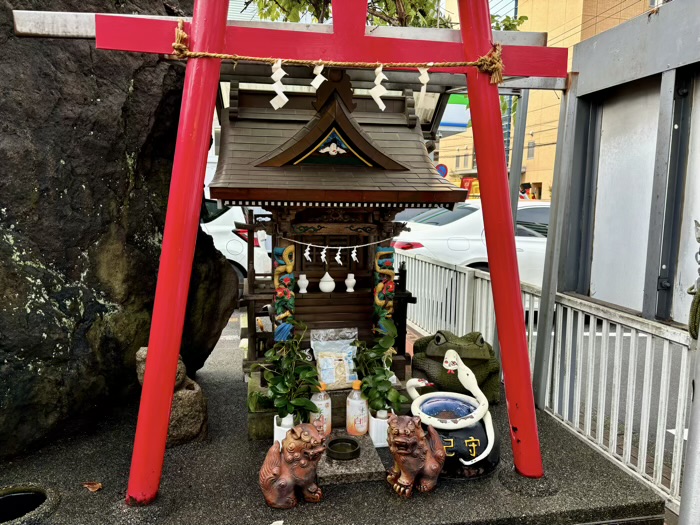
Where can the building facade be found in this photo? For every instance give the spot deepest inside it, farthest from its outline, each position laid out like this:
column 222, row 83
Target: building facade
column 566, row 23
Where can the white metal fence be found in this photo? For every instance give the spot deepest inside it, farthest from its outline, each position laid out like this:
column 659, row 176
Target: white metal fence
column 618, row 381
column 622, row 382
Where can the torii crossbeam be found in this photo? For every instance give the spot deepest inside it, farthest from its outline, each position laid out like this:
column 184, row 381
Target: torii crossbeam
column 347, row 42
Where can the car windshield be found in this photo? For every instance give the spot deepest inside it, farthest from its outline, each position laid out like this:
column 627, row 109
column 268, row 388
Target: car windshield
column 533, row 222
column 441, row 216
column 212, row 211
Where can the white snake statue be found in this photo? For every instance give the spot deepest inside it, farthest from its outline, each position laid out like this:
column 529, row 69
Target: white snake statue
column 453, row 362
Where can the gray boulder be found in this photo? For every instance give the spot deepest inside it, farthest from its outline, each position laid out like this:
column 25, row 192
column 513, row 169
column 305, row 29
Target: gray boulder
column 85, row 159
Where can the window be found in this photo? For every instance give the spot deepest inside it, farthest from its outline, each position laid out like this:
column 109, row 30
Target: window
column 524, row 231
column 474, row 160
column 442, row 216
column 465, row 160
column 458, row 161
column 531, row 150
column 536, row 192
column 212, row 210
column 533, row 222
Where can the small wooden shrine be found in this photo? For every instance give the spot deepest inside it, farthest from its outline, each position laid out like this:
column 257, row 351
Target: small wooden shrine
column 332, row 170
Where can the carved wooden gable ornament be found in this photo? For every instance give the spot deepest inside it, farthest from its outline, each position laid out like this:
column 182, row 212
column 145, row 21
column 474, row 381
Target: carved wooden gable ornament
column 333, row 137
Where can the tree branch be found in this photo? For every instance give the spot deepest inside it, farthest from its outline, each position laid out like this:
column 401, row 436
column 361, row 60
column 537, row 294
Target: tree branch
column 382, row 16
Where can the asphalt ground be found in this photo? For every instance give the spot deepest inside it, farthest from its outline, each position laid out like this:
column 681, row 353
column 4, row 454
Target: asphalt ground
column 215, row 481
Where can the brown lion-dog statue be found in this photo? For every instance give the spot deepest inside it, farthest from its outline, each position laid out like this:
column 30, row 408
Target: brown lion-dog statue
column 418, row 458
column 292, row 467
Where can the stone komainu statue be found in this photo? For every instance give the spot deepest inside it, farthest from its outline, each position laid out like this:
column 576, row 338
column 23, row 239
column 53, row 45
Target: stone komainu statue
column 293, row 468
column 418, row 459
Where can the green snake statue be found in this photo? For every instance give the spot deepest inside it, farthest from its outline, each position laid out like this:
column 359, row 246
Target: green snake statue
column 477, row 354
column 384, row 283
column 284, row 281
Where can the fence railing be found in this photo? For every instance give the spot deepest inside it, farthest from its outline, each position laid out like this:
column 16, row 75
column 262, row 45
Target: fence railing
column 618, row 381
column 622, row 382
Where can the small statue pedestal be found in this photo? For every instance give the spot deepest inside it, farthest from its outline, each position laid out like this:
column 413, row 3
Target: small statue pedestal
column 368, row 467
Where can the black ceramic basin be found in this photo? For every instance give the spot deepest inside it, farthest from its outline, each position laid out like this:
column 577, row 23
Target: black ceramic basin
column 343, row 448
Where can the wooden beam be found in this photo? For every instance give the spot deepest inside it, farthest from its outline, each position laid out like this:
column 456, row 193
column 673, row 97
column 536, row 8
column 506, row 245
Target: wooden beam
column 54, row 24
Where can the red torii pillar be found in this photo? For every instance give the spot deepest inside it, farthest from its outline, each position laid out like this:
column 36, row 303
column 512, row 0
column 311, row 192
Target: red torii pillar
column 207, row 33
column 485, row 106
column 347, row 43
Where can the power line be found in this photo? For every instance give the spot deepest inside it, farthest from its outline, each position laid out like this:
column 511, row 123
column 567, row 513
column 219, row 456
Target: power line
column 593, row 22
column 554, row 37
column 470, row 152
column 542, row 145
column 494, row 8
column 504, row 11
column 542, row 123
column 543, row 107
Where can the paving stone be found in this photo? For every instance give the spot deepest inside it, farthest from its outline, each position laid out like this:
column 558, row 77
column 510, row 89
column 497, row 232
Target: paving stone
column 368, row 467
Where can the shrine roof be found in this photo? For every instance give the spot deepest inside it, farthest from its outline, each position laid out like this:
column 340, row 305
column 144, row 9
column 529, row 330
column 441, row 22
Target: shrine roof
column 272, row 156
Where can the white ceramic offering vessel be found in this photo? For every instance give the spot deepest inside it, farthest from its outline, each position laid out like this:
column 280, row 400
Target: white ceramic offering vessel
column 350, row 282
column 282, row 426
column 378, row 427
column 327, row 284
column 303, row 283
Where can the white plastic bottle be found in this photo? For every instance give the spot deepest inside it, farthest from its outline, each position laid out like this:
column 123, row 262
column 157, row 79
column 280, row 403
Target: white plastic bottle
column 323, row 401
column 356, row 411
column 282, row 426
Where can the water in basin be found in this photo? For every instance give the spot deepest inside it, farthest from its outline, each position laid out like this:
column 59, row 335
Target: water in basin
column 446, row 408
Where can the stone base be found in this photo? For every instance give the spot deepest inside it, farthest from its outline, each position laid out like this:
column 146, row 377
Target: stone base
column 368, row 467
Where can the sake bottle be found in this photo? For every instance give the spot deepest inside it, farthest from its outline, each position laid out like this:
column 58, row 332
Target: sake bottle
column 356, row 411
column 323, row 401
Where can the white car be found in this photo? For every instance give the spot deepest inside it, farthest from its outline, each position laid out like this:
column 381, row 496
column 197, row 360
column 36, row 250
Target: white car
column 457, row 237
column 233, row 242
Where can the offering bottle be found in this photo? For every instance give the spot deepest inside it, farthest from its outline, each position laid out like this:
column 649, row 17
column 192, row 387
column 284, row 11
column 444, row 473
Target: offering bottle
column 323, row 401
column 356, row 411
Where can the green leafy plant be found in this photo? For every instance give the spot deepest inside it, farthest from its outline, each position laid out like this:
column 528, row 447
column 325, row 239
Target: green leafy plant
column 507, row 23
column 291, row 377
column 414, row 13
column 374, row 366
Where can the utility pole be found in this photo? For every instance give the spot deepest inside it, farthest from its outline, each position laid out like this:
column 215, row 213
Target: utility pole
column 509, row 109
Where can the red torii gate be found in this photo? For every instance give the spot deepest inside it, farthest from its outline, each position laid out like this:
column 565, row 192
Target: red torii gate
column 348, row 42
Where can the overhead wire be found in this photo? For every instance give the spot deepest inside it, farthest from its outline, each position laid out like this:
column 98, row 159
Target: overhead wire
column 556, row 39
column 494, row 5
column 551, row 33
column 590, row 23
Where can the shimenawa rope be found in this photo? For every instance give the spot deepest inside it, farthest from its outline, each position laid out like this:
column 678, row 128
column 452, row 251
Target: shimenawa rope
column 490, row 63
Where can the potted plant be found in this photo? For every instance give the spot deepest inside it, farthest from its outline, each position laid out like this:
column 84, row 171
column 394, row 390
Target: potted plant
column 373, row 364
column 291, row 377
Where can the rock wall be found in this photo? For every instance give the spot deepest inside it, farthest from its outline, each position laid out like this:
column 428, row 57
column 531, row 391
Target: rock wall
column 86, row 145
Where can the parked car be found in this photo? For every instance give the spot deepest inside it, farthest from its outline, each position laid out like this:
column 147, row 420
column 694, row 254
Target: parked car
column 457, row 237
column 233, row 242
